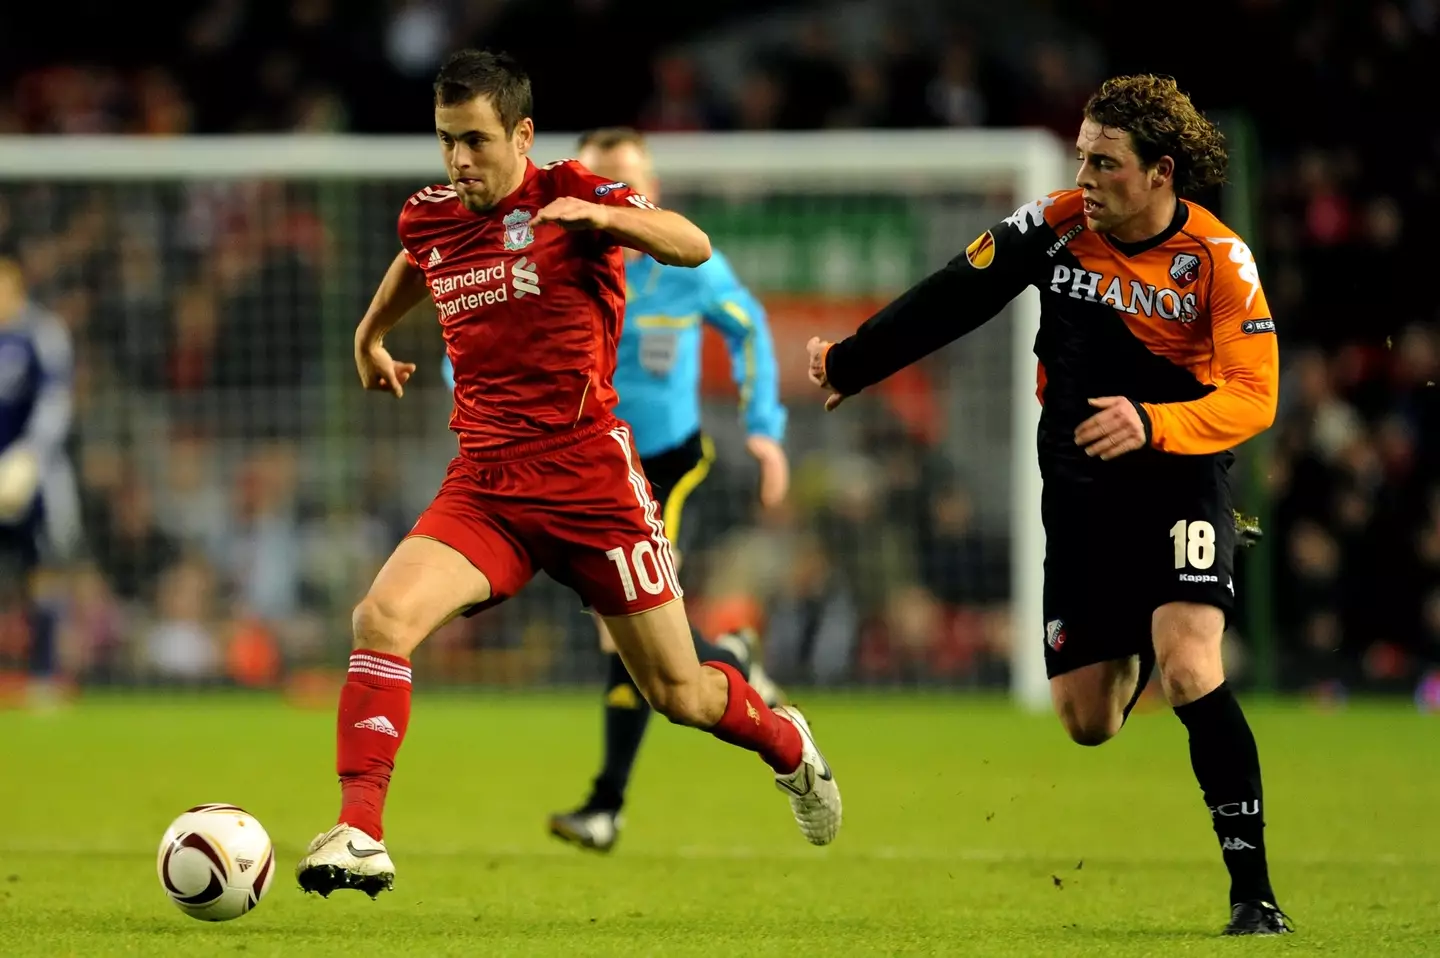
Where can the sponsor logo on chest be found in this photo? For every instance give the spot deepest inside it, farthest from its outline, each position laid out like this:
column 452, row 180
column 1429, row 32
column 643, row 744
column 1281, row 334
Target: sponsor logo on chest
column 1134, row 296
column 484, row 286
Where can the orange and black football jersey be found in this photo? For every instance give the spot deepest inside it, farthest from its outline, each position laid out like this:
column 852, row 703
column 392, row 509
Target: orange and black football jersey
column 1178, row 324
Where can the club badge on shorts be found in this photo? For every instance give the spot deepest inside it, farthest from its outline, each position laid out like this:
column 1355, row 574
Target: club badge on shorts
column 1055, row 633
column 519, row 233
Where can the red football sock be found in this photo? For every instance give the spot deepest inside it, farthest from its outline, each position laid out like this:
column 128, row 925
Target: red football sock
column 749, row 723
column 374, row 712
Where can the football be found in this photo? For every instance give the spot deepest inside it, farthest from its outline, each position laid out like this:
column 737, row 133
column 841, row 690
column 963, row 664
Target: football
column 215, row 862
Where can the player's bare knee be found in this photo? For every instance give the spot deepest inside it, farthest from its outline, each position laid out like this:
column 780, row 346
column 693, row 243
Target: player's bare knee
column 680, row 702
column 1187, row 651
column 378, row 625
column 1090, row 701
column 1187, row 677
column 1089, row 726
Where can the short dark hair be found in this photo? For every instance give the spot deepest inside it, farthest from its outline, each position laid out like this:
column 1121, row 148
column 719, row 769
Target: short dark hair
column 609, row 137
column 468, row 74
column 1162, row 121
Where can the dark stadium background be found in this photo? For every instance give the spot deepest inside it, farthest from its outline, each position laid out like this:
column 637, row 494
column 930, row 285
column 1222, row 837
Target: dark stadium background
column 1338, row 97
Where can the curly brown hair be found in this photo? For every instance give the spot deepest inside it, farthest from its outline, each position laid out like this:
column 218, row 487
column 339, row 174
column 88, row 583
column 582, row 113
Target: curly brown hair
column 1162, row 121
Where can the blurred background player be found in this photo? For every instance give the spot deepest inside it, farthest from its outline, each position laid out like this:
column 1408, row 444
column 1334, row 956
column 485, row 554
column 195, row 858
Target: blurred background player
column 657, row 377
column 1158, row 356
column 546, row 476
column 38, row 511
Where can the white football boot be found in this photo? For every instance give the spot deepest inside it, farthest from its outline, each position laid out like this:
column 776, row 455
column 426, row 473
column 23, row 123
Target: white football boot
column 595, row 829
column 346, row 857
column 814, row 796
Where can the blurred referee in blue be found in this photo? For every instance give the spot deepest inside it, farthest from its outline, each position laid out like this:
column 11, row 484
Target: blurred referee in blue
column 36, row 482
column 658, row 381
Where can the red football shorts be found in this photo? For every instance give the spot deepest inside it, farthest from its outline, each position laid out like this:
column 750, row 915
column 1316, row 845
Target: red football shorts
column 583, row 513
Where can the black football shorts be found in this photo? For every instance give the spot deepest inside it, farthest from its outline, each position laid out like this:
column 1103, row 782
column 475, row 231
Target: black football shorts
column 1157, row 529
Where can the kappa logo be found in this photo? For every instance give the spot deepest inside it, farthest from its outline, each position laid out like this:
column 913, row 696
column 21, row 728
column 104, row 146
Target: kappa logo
column 519, row 231
column 1241, row 256
column 1064, row 240
column 1031, row 214
column 1055, row 633
column 1185, row 268
column 981, row 253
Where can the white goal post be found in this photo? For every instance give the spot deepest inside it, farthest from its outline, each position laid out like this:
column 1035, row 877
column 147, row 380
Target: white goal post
column 1019, row 165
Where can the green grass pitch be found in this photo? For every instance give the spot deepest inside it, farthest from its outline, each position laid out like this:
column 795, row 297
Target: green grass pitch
column 970, row 829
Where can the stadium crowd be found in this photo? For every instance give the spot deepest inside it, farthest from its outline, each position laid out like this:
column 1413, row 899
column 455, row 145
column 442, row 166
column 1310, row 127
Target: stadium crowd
column 236, row 572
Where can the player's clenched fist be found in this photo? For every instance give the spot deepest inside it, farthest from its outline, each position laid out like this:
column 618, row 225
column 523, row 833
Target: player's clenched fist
column 817, row 348
column 379, row 370
column 575, row 214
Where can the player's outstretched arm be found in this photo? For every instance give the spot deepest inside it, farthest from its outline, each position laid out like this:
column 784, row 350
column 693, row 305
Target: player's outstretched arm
column 942, row 307
column 400, row 290
column 664, row 235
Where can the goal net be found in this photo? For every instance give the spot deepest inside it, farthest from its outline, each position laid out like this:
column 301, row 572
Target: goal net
column 233, row 491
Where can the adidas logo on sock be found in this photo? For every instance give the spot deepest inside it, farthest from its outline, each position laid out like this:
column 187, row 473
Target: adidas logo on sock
column 379, row 723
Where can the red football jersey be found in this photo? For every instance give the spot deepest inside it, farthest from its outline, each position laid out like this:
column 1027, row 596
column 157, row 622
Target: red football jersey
column 531, row 315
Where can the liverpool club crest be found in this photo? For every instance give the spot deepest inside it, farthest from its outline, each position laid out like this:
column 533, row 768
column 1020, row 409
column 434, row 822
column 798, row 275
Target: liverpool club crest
column 518, row 231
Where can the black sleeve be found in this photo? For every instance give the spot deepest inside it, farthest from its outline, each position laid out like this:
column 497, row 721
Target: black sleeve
column 961, row 296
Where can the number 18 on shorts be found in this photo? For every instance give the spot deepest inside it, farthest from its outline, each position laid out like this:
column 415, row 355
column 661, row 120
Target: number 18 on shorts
column 1112, row 558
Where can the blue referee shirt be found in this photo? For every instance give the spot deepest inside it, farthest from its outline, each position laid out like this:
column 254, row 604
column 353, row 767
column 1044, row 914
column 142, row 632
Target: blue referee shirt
column 657, row 375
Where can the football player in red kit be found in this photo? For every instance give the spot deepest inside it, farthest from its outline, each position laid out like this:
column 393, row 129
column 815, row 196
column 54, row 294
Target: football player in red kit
column 525, row 266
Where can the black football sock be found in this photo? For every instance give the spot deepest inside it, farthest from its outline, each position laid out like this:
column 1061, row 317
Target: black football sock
column 626, row 715
column 42, row 642
column 709, row 652
column 1227, row 766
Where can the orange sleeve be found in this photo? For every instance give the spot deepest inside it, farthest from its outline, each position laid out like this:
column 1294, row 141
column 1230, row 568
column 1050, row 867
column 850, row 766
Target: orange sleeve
column 1244, row 367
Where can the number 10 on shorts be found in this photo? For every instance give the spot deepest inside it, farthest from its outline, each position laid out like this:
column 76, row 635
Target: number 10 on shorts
column 1194, row 544
column 646, row 565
